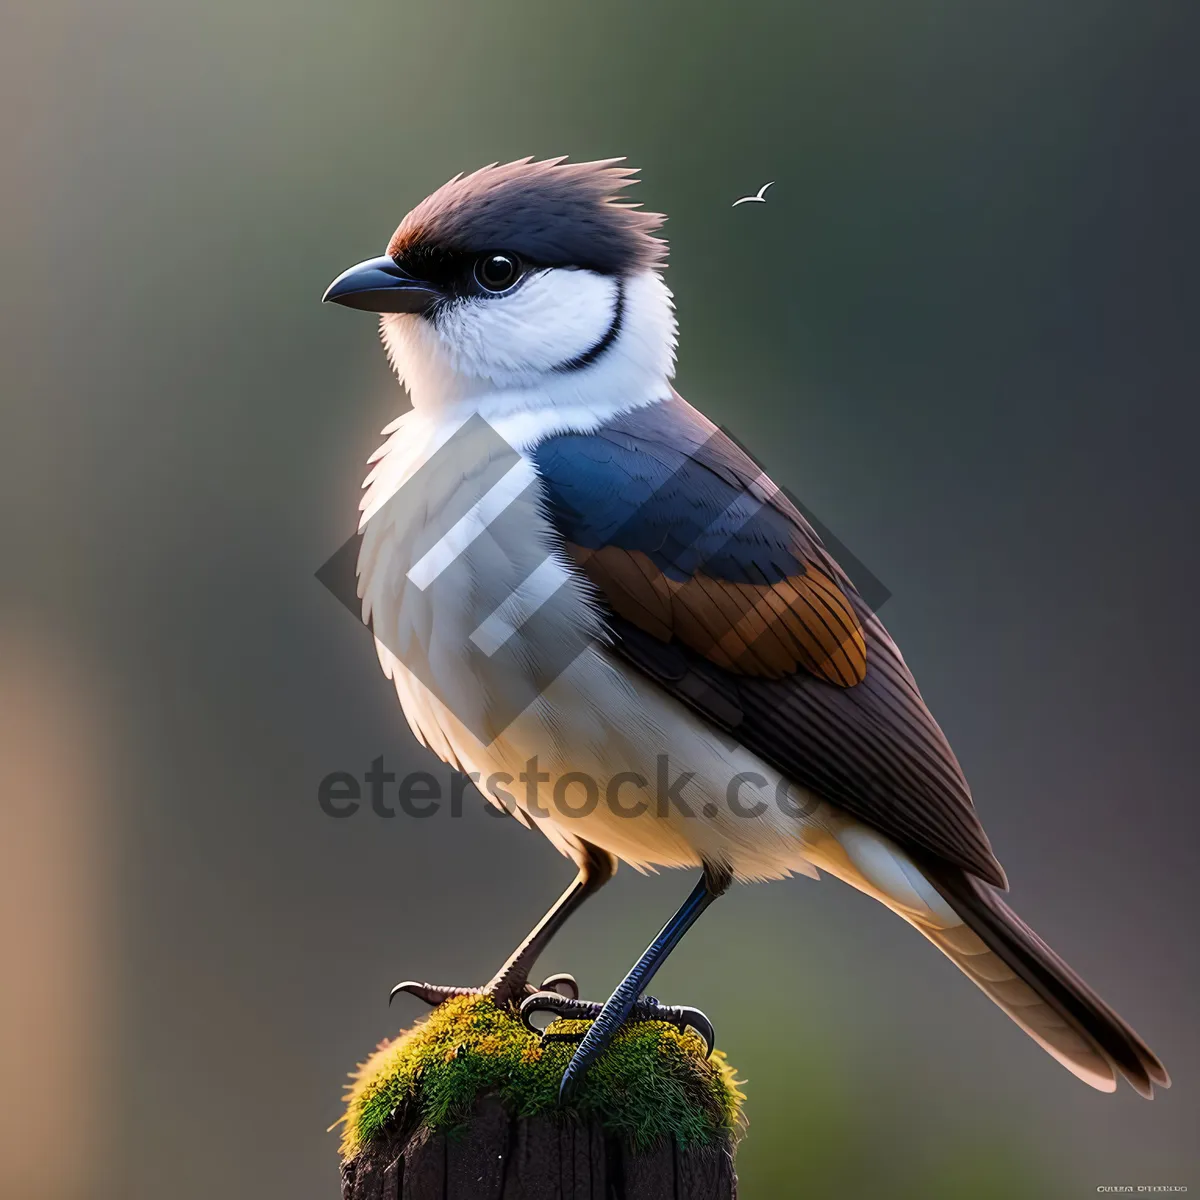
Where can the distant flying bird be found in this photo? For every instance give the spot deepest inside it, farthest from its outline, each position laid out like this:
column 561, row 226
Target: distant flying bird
column 758, row 198
column 733, row 700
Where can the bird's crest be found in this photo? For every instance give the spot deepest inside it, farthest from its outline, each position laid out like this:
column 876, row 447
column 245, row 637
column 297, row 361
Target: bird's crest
column 552, row 212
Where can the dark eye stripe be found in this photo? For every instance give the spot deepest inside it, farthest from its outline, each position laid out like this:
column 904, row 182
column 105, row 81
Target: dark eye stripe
column 456, row 273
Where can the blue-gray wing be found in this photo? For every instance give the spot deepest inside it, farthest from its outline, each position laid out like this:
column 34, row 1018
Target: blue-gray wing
column 718, row 589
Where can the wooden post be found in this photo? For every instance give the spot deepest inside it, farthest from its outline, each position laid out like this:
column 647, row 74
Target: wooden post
column 502, row 1157
column 464, row 1107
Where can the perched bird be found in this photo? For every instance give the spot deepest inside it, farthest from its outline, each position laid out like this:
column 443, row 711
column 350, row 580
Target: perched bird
column 581, row 588
column 759, row 197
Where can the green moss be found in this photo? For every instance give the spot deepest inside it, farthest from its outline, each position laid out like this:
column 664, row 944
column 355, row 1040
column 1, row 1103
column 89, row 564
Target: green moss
column 652, row 1082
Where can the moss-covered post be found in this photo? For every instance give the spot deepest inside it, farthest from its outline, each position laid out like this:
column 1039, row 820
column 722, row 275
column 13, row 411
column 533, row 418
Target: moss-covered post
column 463, row 1106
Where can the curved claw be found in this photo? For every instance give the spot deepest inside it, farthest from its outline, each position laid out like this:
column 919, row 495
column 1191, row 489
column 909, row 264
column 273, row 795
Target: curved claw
column 693, row 1018
column 563, row 983
column 683, row 1016
column 554, row 1002
column 431, row 993
column 646, row 1009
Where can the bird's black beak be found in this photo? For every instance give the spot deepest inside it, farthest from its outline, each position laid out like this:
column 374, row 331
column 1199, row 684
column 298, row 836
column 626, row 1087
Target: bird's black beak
column 380, row 285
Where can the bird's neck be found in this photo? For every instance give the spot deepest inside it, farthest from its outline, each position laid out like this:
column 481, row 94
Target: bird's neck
column 634, row 370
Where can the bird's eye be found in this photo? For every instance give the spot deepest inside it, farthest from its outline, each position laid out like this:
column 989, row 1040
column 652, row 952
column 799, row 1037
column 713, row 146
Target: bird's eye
column 497, row 272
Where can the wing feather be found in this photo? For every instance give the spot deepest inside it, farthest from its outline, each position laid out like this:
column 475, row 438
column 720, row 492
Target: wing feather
column 719, row 590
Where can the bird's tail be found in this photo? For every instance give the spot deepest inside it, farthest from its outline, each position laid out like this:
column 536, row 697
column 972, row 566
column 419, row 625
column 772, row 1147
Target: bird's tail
column 998, row 952
column 968, row 922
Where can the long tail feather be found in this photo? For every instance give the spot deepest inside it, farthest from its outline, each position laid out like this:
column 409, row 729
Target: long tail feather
column 1016, row 969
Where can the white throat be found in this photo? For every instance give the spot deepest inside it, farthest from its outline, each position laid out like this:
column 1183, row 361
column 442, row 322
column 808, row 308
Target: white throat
column 501, row 358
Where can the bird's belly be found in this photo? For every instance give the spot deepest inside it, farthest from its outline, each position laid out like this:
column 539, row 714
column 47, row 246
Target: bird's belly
column 604, row 756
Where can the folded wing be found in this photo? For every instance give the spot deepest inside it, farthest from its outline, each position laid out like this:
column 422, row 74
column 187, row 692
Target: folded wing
column 715, row 586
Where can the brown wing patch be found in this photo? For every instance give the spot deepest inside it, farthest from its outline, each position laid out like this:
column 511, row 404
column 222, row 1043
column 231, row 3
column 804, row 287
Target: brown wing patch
column 764, row 630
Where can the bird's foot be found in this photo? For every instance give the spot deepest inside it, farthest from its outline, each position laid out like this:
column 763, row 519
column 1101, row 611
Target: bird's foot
column 502, row 991
column 606, row 1020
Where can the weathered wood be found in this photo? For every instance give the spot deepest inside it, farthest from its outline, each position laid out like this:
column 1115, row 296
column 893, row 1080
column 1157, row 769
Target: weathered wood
column 546, row 1157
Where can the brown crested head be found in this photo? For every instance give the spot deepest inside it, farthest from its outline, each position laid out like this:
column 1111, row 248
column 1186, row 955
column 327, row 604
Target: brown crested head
column 550, row 213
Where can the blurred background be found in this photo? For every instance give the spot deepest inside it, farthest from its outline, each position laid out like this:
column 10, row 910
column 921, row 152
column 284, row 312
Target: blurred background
column 962, row 331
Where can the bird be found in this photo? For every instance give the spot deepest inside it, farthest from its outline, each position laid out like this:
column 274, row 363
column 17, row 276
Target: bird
column 760, row 197
column 581, row 587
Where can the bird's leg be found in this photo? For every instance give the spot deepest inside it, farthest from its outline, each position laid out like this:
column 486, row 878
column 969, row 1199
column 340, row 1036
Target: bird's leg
column 627, row 1000
column 511, row 983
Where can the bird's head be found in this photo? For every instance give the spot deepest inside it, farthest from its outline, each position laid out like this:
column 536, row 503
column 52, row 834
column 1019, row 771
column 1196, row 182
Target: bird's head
column 517, row 276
